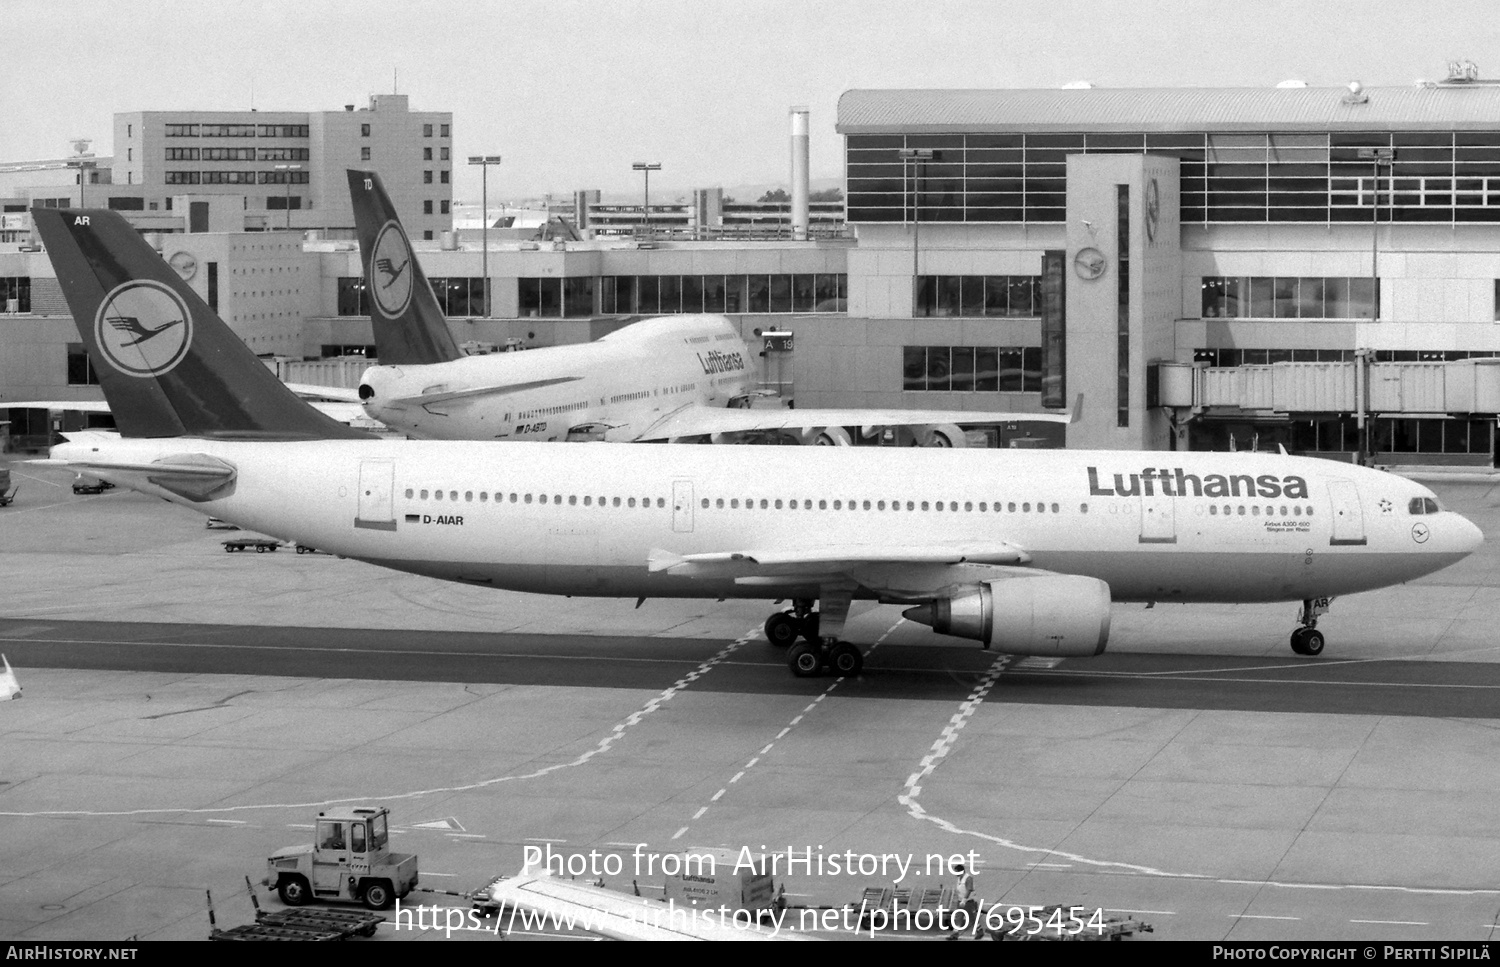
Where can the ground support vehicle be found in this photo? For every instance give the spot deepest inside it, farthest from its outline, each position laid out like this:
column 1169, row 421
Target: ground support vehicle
column 7, row 491
column 296, row 924
column 261, row 544
column 350, row 860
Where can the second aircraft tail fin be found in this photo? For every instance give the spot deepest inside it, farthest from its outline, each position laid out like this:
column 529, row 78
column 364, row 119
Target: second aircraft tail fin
column 409, row 325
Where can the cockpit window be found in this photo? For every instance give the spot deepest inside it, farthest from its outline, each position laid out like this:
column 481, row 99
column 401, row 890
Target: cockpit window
column 1422, row 505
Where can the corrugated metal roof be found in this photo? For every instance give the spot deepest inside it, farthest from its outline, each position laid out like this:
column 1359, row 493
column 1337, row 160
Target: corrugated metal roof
column 1432, row 107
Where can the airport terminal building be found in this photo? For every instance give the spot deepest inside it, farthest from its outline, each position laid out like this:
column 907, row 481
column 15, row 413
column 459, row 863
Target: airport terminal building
column 1316, row 268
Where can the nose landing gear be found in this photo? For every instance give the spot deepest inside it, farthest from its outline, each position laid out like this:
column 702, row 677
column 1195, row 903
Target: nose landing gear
column 1307, row 639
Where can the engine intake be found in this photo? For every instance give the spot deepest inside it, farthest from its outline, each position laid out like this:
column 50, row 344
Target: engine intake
column 1057, row 616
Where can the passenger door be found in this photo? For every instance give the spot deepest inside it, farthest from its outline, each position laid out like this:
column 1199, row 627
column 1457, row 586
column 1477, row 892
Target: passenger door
column 1348, row 516
column 377, row 493
column 1158, row 520
column 682, row 506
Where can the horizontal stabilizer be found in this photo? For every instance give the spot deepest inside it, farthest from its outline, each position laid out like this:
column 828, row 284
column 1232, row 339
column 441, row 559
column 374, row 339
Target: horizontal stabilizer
column 623, row 917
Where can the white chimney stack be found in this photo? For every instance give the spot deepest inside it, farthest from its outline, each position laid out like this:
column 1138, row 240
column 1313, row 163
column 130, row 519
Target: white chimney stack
column 799, row 172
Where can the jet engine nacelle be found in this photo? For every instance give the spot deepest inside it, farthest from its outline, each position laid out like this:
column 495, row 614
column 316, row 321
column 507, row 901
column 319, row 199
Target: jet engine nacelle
column 941, row 435
column 1059, row 615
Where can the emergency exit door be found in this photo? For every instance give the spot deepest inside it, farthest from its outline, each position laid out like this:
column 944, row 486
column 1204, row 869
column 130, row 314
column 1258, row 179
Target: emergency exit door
column 682, row 506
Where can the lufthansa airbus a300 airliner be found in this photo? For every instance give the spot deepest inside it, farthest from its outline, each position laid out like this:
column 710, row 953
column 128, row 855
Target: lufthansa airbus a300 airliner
column 1022, row 550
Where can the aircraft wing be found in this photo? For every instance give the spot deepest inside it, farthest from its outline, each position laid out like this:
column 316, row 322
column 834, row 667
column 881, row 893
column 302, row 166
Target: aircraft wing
column 78, row 406
column 697, row 420
column 914, row 572
column 10, row 686
column 567, row 903
column 479, row 391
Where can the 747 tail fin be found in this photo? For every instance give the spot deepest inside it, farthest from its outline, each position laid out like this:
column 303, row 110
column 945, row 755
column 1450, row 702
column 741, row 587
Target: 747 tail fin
column 409, row 326
column 168, row 364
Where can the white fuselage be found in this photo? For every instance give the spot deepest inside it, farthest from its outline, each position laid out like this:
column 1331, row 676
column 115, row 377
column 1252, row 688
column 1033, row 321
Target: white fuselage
column 585, row 520
column 621, row 385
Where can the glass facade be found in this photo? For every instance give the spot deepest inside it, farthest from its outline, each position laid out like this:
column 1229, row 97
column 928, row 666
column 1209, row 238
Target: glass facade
column 1437, row 176
column 672, row 294
column 978, row 295
column 553, row 297
column 1284, row 297
column 971, row 369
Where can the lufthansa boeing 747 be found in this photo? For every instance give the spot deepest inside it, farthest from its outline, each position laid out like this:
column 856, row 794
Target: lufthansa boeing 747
column 1022, row 550
column 669, row 378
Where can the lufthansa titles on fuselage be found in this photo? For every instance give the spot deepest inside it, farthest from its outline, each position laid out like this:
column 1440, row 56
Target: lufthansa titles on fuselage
column 716, row 362
column 1176, row 482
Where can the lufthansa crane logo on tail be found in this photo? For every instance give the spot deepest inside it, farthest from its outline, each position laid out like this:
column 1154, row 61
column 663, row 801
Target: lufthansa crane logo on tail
column 391, row 270
column 143, row 328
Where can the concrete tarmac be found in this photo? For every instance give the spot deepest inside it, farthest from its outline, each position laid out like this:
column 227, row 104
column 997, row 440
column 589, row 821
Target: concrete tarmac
column 187, row 711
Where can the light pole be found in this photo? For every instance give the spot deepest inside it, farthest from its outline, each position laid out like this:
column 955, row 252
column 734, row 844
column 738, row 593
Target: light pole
column 288, row 202
column 1377, row 157
column 916, row 157
column 484, row 161
column 84, row 165
column 646, row 167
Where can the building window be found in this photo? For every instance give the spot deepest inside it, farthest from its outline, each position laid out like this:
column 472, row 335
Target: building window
column 443, row 152
column 972, row 369
column 427, row 207
column 227, row 130
column 351, row 301
column 364, row 130
column 80, row 367
column 426, row 154
column 17, row 288
column 443, row 207
column 283, row 202
column 459, row 296
column 443, row 176
column 282, row 154
column 978, row 295
column 364, row 154
column 444, row 132
column 426, row 177
column 182, row 130
column 182, row 154
column 1286, row 297
column 127, row 204
column 426, row 130
column 182, row 178
column 572, row 297
column 427, row 235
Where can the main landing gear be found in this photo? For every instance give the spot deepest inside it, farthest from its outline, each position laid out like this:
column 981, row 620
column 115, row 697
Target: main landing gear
column 1307, row 639
column 785, row 627
column 817, row 651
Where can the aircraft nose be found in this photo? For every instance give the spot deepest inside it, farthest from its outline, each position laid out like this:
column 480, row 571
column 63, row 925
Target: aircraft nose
column 1467, row 535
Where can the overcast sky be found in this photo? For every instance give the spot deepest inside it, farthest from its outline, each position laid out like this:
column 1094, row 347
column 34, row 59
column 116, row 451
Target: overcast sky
column 570, row 93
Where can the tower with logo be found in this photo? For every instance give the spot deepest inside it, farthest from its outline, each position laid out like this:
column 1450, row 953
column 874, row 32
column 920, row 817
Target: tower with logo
column 1122, row 275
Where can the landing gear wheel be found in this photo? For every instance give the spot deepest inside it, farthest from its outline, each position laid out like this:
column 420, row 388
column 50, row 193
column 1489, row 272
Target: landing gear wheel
column 293, row 891
column 1307, row 641
column 781, row 629
column 805, row 660
column 808, row 628
column 846, row 660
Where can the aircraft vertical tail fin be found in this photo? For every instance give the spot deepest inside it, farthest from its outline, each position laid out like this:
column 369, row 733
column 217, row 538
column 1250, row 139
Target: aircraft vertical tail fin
column 169, row 366
column 409, row 326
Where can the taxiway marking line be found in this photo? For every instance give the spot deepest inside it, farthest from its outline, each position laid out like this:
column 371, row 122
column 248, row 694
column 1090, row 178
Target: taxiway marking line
column 1255, row 916
column 604, row 745
column 785, row 731
column 1396, row 923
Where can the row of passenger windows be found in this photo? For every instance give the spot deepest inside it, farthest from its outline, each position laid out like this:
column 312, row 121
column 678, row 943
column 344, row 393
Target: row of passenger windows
column 764, row 503
column 484, row 497
column 1296, row 510
column 749, row 503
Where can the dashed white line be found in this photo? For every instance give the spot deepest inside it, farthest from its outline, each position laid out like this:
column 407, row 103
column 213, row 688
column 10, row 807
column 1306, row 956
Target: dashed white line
column 1396, row 923
column 1258, row 916
column 602, row 747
